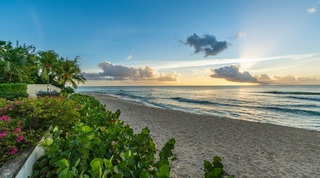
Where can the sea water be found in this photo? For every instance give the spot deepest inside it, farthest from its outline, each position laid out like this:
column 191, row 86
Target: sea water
column 293, row 106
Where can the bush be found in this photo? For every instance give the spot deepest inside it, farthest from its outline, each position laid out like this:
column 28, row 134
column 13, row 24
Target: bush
column 13, row 133
column 67, row 90
column 214, row 169
column 14, row 87
column 13, row 91
column 102, row 146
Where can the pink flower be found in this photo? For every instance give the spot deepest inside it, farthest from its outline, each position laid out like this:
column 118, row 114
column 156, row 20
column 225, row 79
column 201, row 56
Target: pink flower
column 3, row 134
column 3, row 118
column 14, row 151
column 17, row 130
column 20, row 138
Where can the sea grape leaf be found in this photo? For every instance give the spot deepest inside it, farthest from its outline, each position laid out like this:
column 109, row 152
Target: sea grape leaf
column 163, row 172
column 86, row 129
column 144, row 174
column 47, row 142
column 207, row 165
column 217, row 172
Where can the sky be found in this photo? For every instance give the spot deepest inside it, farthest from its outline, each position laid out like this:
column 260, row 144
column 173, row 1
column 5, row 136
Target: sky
column 175, row 42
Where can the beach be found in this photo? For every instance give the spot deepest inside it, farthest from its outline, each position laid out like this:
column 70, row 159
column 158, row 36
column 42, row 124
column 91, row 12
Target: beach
column 247, row 149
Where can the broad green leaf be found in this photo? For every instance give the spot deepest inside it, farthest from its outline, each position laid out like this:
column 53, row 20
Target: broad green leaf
column 216, row 159
column 91, row 136
column 65, row 173
column 96, row 163
column 207, row 165
column 119, row 175
column 144, row 174
column 47, row 142
column 217, row 172
column 163, row 172
column 108, row 163
column 86, row 129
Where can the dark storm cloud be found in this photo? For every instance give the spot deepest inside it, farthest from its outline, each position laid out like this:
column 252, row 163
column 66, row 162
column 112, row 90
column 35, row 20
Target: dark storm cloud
column 232, row 73
column 120, row 72
column 207, row 44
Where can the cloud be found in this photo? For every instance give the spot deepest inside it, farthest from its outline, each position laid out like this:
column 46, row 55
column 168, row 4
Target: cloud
column 120, row 72
column 238, row 35
column 130, row 57
column 210, row 62
column 291, row 80
column 168, row 77
column 311, row 10
column 232, row 73
column 207, row 45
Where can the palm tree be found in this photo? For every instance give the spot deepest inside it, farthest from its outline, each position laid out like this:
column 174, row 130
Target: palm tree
column 47, row 62
column 68, row 71
column 12, row 62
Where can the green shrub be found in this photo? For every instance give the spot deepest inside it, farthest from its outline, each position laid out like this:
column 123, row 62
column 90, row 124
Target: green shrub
column 67, row 90
column 40, row 113
column 13, row 91
column 102, row 146
column 214, row 169
column 13, row 95
column 14, row 87
column 14, row 136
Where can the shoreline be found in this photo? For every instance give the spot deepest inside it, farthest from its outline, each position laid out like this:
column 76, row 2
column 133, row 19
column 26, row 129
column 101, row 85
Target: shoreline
column 247, row 149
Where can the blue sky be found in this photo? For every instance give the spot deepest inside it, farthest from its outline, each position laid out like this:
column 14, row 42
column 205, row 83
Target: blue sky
column 144, row 42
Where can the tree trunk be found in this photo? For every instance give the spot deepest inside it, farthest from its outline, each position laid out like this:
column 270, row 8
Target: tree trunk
column 48, row 85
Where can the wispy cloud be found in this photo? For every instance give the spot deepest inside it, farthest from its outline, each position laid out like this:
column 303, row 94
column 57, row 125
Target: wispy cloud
column 239, row 35
column 311, row 10
column 130, row 57
column 314, row 8
column 37, row 24
column 199, row 63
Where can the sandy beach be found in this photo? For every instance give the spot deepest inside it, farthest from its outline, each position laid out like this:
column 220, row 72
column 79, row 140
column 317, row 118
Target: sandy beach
column 247, row 149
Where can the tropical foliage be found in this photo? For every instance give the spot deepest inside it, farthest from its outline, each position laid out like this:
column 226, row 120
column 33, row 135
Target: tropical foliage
column 21, row 63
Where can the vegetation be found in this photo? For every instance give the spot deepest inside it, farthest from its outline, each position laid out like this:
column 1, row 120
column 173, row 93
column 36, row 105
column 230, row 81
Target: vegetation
column 12, row 91
column 214, row 169
column 100, row 145
column 22, row 64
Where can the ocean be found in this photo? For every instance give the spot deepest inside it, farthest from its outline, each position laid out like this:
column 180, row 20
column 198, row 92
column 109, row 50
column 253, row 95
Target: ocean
column 293, row 106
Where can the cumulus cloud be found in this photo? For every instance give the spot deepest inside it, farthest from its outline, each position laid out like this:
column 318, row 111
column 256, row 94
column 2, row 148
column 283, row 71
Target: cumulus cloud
column 232, row 73
column 120, row 72
column 167, row 77
column 291, row 80
column 311, row 10
column 207, row 44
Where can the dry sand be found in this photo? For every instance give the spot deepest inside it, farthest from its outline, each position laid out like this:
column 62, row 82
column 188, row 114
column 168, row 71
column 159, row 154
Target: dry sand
column 247, row 149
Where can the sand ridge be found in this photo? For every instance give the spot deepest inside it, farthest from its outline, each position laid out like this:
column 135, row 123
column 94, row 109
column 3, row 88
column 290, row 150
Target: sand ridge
column 247, row 149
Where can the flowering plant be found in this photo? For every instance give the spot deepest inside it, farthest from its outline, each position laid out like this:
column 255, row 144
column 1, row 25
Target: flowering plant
column 12, row 138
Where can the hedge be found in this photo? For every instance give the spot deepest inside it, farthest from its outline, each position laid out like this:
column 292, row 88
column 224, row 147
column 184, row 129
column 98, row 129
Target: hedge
column 14, row 90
